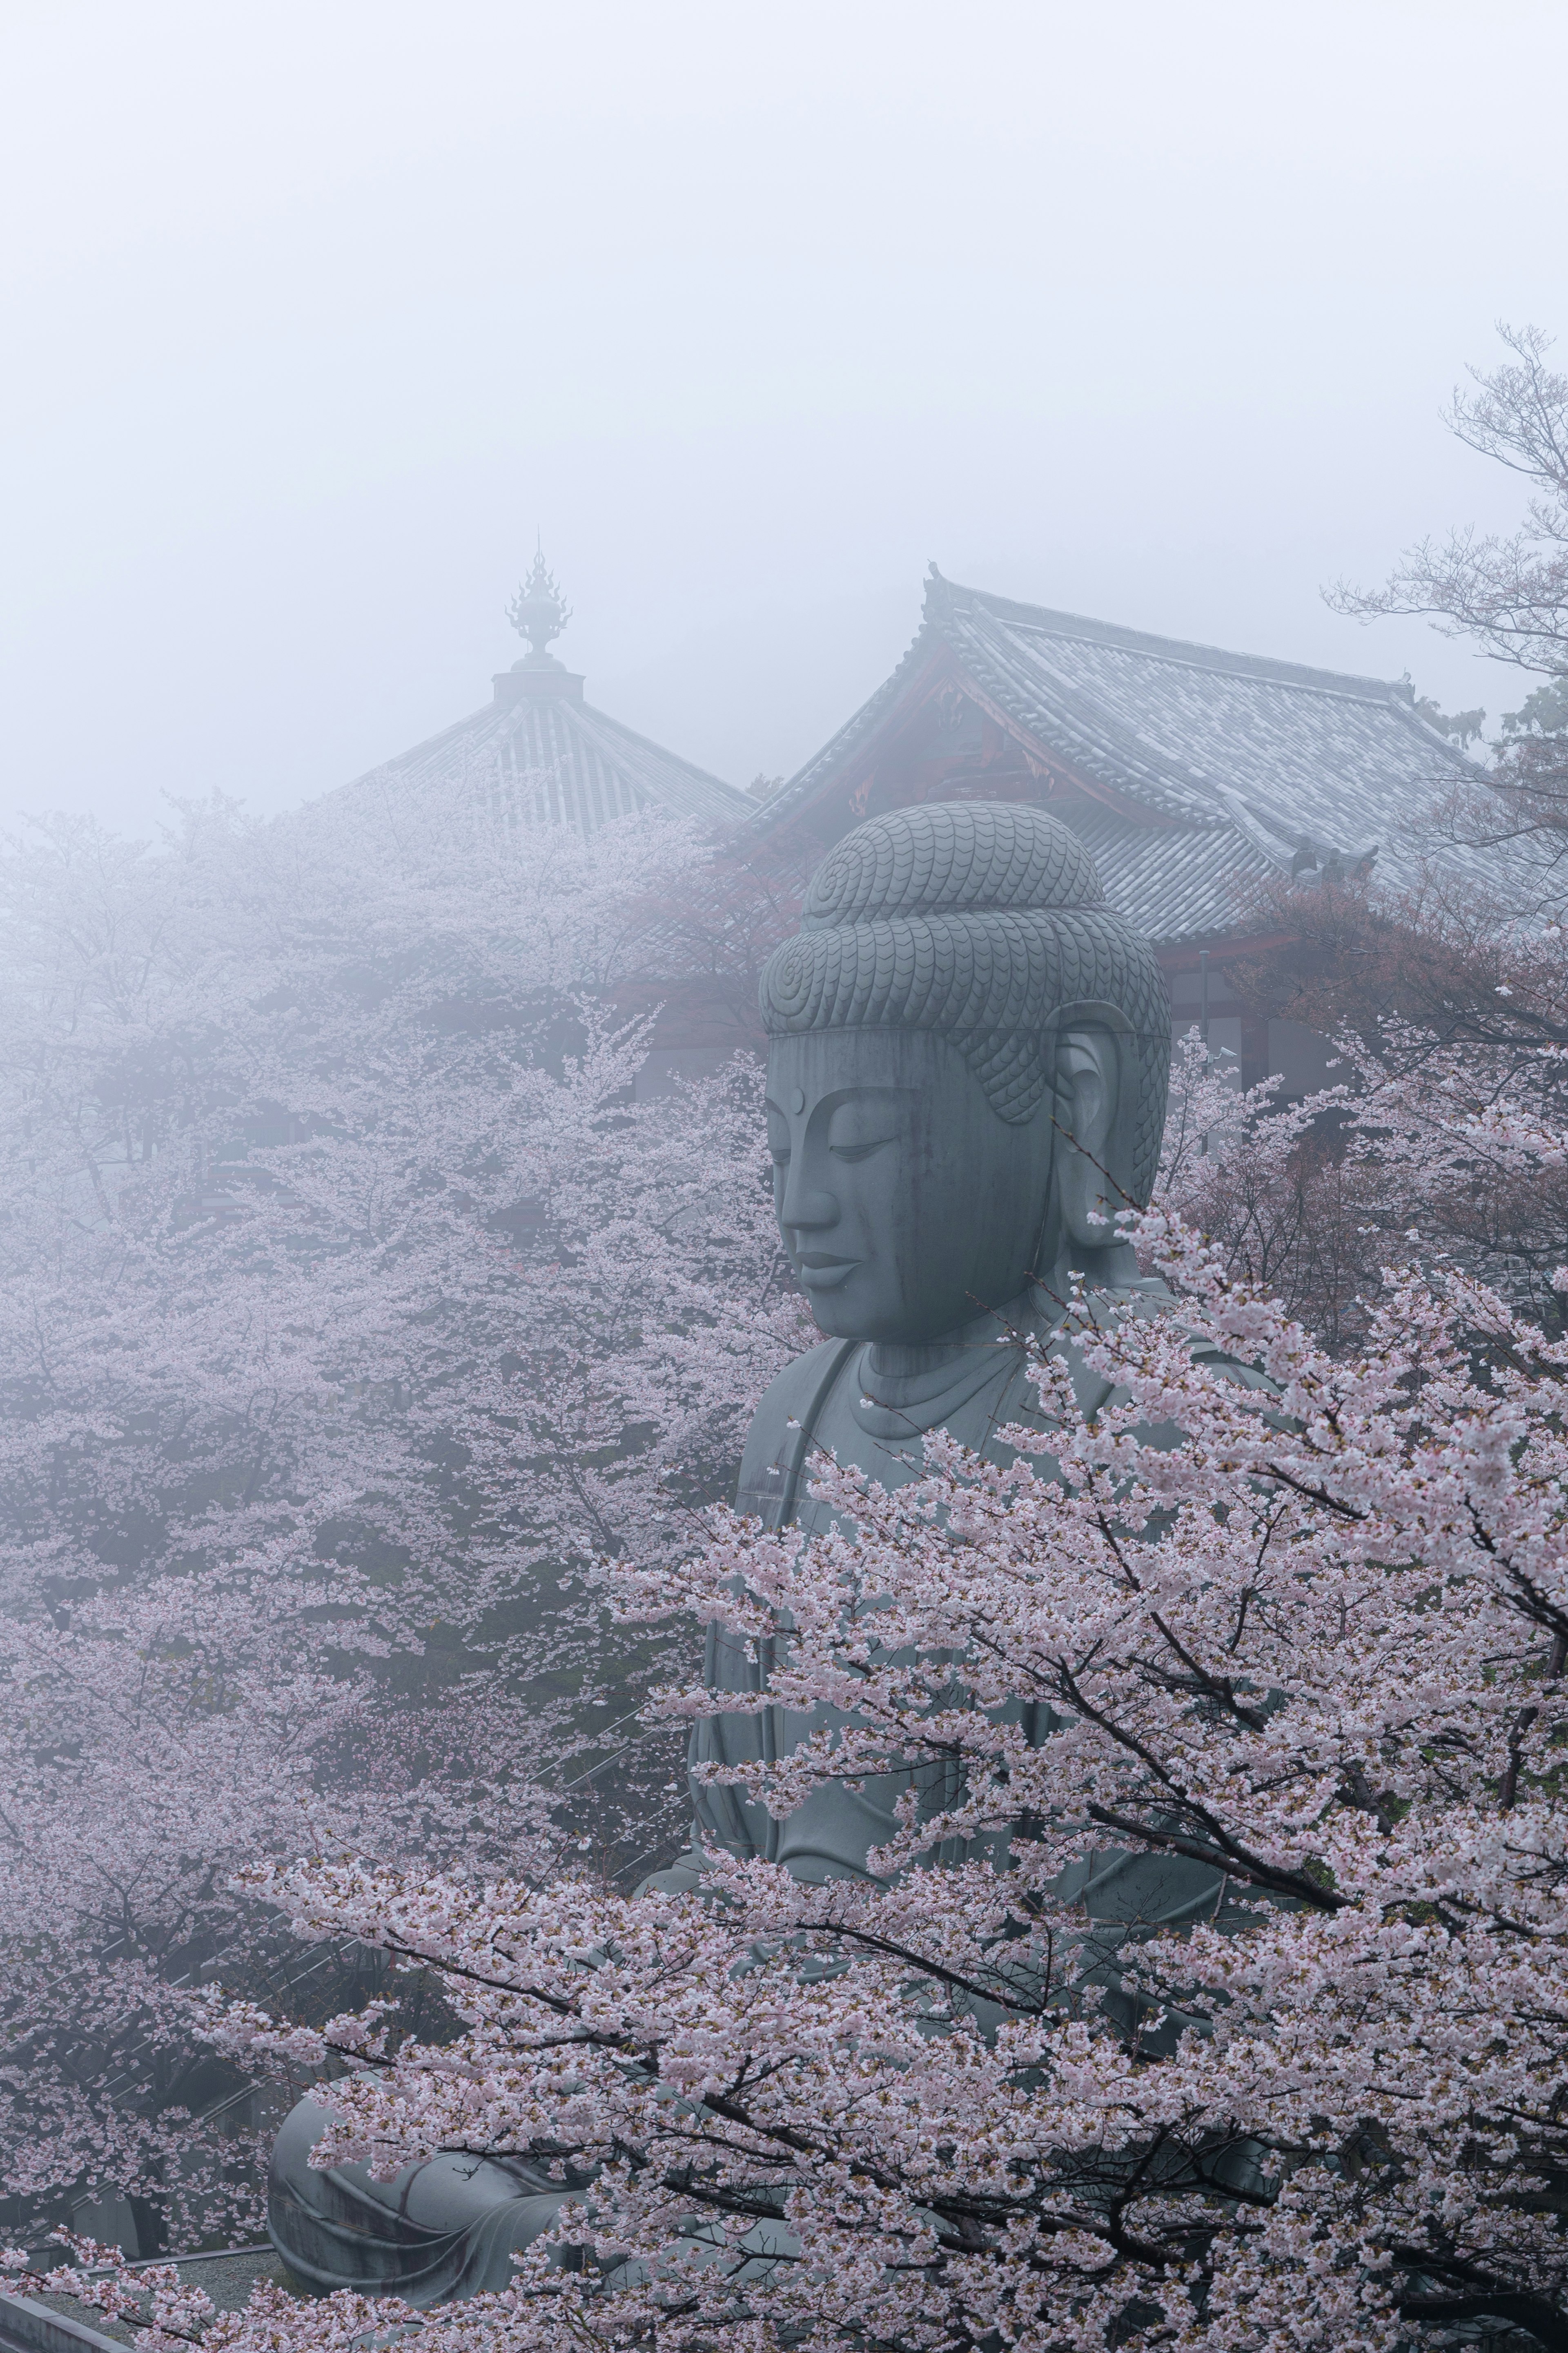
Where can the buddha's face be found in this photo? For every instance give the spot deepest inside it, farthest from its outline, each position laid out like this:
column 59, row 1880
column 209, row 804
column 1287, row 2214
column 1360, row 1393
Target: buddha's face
column 906, row 1205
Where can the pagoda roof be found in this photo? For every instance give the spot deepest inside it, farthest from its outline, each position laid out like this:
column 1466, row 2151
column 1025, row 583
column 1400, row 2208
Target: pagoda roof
column 1186, row 768
column 537, row 754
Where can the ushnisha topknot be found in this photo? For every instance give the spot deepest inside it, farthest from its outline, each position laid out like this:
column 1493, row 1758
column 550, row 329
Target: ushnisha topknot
column 970, row 857
column 984, row 921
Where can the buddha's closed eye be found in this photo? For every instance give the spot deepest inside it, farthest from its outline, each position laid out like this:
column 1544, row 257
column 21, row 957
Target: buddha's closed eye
column 859, row 1151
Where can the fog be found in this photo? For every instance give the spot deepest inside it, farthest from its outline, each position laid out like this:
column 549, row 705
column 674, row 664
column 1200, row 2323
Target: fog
column 317, row 313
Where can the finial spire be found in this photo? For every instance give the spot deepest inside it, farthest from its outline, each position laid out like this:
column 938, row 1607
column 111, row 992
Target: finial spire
column 539, row 612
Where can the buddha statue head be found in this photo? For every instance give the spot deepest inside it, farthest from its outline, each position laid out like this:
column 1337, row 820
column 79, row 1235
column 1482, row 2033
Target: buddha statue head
column 968, row 1061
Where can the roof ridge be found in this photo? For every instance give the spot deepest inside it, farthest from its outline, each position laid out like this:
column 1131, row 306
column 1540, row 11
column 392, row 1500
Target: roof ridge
column 1194, row 653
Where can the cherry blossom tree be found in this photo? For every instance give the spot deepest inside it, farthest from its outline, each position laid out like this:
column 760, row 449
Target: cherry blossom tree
column 354, row 1306
column 1422, row 1147
column 158, row 1736
column 1305, row 1635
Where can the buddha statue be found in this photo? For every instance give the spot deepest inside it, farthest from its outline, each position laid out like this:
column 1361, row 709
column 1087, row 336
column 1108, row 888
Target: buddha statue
column 967, row 1069
column 969, row 1055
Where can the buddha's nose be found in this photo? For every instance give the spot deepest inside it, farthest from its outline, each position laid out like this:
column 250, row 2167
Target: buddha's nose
column 806, row 1207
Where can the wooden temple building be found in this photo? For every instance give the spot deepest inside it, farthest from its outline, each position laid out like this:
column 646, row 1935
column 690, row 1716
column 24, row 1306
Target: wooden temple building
column 1192, row 775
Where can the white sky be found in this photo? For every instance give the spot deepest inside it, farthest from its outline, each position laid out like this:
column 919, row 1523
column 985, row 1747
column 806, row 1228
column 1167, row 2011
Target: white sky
column 313, row 311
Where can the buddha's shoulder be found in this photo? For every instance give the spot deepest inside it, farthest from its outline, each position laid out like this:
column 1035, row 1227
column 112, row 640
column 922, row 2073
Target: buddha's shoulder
column 790, row 1401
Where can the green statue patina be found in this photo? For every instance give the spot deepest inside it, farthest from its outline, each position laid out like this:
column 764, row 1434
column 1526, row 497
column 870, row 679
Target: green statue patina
column 967, row 1071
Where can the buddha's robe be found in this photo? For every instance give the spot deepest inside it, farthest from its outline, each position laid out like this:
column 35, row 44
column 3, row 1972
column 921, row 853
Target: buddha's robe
column 448, row 2227
column 440, row 2230
column 830, row 1400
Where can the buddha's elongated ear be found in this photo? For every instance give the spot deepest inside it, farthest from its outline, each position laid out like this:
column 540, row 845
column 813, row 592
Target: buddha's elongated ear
column 1091, row 1071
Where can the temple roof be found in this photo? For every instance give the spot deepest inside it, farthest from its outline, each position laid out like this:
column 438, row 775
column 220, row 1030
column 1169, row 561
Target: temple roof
column 537, row 754
column 1189, row 770
column 552, row 759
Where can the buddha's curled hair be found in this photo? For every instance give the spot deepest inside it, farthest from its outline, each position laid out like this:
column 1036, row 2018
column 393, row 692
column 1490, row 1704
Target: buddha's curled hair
column 982, row 920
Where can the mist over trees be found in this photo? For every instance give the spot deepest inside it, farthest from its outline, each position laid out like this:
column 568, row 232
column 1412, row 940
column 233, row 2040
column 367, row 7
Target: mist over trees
column 377, row 1349
column 352, row 1308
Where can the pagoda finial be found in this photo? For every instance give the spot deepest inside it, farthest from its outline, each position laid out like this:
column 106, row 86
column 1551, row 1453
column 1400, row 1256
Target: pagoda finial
column 539, row 611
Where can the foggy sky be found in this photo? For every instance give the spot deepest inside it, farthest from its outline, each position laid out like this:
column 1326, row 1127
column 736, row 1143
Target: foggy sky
column 315, row 312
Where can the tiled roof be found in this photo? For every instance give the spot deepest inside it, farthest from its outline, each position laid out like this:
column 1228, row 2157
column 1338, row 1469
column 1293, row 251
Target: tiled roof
column 1173, row 882
column 1214, row 767
column 537, row 754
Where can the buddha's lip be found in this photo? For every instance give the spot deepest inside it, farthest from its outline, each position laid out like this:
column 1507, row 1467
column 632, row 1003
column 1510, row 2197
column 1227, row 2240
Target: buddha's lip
column 822, row 1272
